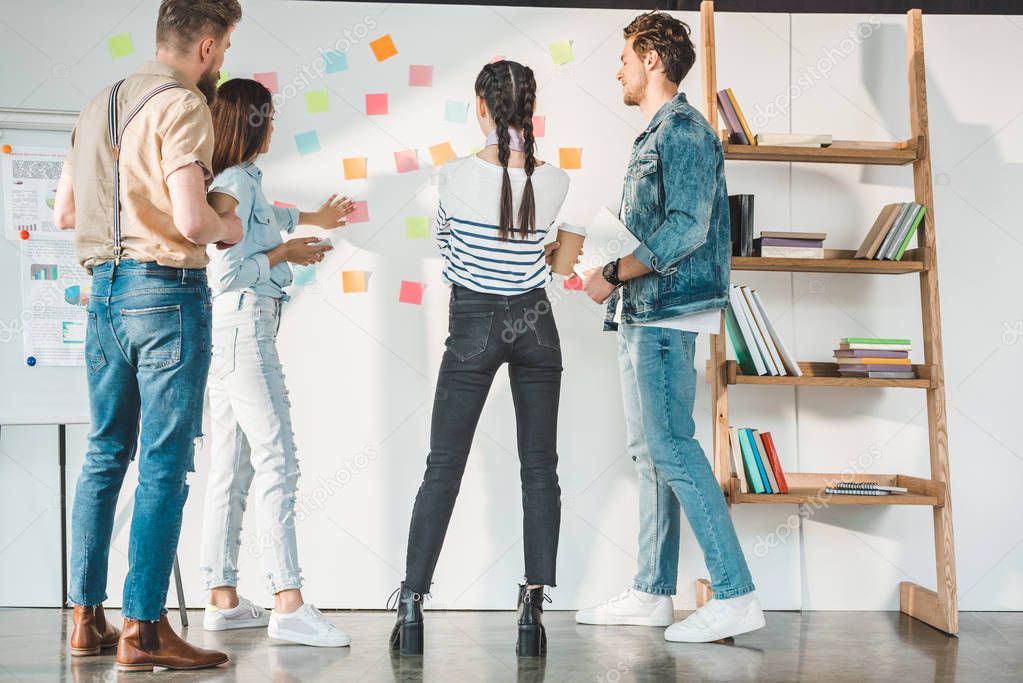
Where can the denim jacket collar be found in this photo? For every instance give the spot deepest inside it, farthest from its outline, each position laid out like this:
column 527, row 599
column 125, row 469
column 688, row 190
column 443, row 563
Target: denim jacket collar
column 674, row 104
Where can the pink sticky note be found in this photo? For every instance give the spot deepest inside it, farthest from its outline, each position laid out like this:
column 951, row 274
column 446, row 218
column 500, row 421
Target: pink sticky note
column 496, row 58
column 376, row 104
column 268, row 79
column 285, row 205
column 420, row 75
column 406, row 160
column 361, row 212
column 574, row 282
column 539, row 126
column 411, row 292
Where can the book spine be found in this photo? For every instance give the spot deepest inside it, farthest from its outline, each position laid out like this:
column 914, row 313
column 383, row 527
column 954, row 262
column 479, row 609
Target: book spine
column 772, row 455
column 758, row 441
column 786, row 242
column 758, row 462
column 752, row 472
column 909, row 235
column 735, row 132
column 874, row 340
column 746, row 131
column 791, row 252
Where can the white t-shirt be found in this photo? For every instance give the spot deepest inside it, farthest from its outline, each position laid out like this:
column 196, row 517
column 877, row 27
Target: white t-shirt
column 468, row 218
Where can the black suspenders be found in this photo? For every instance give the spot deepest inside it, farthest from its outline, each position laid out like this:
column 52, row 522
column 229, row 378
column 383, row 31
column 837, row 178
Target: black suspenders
column 115, row 136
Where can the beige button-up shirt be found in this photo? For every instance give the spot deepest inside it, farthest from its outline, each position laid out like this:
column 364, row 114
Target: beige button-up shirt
column 174, row 129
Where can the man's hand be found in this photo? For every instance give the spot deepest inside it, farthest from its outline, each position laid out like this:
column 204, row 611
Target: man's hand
column 331, row 213
column 233, row 232
column 595, row 286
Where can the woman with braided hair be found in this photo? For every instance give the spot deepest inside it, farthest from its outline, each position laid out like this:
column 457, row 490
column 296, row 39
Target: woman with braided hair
column 494, row 214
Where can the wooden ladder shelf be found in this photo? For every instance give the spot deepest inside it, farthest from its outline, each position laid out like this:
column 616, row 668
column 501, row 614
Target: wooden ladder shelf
column 935, row 607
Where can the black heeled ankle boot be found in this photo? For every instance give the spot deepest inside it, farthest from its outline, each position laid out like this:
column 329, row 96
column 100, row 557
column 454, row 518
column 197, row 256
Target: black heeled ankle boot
column 407, row 635
column 532, row 641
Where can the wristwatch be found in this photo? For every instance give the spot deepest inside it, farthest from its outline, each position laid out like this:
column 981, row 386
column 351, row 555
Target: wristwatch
column 610, row 273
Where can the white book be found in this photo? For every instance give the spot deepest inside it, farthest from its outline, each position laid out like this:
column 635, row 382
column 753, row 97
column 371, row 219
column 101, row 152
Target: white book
column 740, row 472
column 794, row 139
column 758, row 340
column 772, row 352
column 735, row 298
column 792, row 252
column 790, row 362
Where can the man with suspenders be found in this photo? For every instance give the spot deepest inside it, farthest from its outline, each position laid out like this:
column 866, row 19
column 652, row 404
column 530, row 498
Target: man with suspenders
column 134, row 190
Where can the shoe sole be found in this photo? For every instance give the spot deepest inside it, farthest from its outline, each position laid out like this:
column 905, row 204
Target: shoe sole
column 81, row 652
column 150, row 667
column 747, row 629
column 300, row 640
column 626, row 621
column 230, row 626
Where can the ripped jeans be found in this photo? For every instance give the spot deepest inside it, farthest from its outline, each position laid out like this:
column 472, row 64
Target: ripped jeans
column 147, row 355
column 253, row 445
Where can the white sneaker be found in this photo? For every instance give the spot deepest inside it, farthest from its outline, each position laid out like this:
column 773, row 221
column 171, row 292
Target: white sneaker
column 630, row 608
column 306, row 626
column 718, row 619
column 244, row 615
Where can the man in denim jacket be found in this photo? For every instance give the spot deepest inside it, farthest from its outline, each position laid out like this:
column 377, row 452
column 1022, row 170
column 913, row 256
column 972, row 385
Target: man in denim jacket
column 672, row 287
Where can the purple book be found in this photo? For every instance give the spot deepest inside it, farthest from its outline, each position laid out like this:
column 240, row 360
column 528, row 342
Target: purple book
column 867, row 353
column 785, row 242
column 735, row 134
column 859, row 367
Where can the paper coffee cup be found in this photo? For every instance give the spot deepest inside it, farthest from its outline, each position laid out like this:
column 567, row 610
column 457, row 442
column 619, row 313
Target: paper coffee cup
column 571, row 238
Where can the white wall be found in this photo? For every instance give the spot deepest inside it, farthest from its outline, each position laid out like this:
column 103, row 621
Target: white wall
column 362, row 369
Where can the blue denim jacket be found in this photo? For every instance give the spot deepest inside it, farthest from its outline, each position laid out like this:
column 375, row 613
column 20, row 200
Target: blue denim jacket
column 675, row 202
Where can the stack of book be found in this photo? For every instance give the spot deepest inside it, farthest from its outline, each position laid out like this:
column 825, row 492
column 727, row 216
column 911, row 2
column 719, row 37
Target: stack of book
column 794, row 139
column 893, row 228
column 739, row 132
column 757, row 345
column 864, row 488
column 755, row 461
column 874, row 358
column 780, row 244
column 740, row 211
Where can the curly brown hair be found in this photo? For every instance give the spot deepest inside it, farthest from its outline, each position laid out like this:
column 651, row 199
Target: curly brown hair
column 668, row 37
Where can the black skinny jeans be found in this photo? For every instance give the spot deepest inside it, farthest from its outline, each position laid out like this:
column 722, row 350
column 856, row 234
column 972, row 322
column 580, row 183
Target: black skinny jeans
column 486, row 331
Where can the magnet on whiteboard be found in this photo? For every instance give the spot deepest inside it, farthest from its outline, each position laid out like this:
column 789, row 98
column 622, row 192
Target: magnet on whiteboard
column 7, row 149
column 24, row 234
column 30, row 361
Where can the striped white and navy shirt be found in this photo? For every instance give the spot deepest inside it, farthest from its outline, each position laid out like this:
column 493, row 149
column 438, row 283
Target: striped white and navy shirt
column 468, row 216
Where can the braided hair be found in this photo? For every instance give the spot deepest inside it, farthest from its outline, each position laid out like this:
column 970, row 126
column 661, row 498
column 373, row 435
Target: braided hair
column 509, row 90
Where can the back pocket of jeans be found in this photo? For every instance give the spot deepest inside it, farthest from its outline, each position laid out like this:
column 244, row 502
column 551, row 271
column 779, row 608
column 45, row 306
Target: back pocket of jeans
column 154, row 334
column 223, row 361
column 468, row 333
column 95, row 359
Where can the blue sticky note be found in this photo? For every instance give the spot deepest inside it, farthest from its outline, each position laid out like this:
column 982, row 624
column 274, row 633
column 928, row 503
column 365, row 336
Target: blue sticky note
column 304, row 276
column 336, row 61
column 307, row 142
column 455, row 112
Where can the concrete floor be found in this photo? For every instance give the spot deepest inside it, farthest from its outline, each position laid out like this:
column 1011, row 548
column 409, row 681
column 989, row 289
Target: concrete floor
column 466, row 647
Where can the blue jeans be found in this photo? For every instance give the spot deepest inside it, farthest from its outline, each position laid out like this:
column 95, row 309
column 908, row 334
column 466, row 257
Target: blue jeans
column 658, row 389
column 147, row 354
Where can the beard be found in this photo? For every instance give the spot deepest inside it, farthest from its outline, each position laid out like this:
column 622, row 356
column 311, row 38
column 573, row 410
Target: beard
column 207, row 85
column 634, row 93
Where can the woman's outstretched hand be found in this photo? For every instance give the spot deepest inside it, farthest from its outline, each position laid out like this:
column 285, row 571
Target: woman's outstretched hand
column 332, row 213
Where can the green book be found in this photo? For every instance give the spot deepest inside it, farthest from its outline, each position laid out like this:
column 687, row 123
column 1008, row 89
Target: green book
column 873, row 340
column 912, row 231
column 750, row 461
column 739, row 343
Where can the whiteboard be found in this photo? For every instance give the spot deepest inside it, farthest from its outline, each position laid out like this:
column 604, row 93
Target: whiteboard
column 40, row 394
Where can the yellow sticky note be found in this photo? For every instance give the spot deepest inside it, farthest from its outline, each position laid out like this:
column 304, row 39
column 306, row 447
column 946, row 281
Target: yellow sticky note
column 224, row 76
column 316, row 101
column 120, row 45
column 441, row 153
column 417, row 227
column 561, row 51
column 383, row 47
column 570, row 157
column 353, row 281
column 355, row 168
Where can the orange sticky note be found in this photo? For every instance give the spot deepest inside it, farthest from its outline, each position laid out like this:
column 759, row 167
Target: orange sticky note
column 383, row 47
column 355, row 168
column 441, row 153
column 570, row 157
column 411, row 292
column 353, row 281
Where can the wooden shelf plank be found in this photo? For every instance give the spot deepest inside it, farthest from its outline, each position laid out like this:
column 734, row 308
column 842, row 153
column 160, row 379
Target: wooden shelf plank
column 840, row 152
column 808, row 487
column 834, row 261
column 822, row 374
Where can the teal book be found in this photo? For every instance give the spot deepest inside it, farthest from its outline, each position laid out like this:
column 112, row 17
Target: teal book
column 738, row 342
column 760, row 459
column 750, row 461
column 912, row 231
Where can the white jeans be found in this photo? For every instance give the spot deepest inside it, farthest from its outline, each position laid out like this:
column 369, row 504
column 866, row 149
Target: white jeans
column 252, row 444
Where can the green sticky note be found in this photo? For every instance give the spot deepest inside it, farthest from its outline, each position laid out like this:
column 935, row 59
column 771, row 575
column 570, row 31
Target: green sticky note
column 316, row 101
column 120, row 45
column 224, row 76
column 417, row 227
column 561, row 51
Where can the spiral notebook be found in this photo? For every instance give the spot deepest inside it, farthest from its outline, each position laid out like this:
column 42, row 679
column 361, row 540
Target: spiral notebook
column 864, row 488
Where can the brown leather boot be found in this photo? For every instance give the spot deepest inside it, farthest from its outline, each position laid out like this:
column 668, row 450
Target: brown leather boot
column 145, row 644
column 91, row 632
